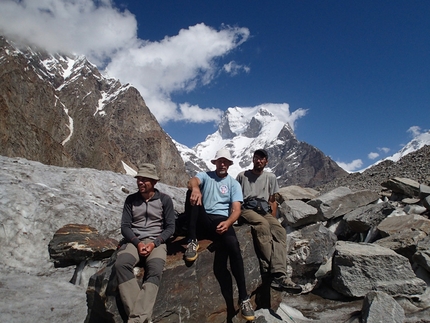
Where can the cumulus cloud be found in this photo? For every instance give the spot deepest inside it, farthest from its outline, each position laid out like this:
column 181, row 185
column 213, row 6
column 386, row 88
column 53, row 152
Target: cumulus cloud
column 415, row 131
column 352, row 166
column 107, row 36
column 373, row 155
column 157, row 71
column 194, row 112
column 72, row 27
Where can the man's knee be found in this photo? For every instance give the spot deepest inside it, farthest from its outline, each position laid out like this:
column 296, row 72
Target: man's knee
column 254, row 218
column 124, row 265
column 154, row 270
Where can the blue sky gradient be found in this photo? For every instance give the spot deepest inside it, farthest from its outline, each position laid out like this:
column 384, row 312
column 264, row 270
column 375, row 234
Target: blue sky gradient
column 360, row 69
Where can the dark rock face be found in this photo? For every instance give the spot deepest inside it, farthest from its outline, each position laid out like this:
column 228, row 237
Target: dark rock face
column 78, row 120
column 75, row 243
column 298, row 163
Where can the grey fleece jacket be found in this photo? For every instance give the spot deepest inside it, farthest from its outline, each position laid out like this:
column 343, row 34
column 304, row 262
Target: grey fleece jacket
column 154, row 219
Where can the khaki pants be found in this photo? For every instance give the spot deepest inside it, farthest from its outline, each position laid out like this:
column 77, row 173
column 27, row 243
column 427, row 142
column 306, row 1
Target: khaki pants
column 139, row 302
column 270, row 240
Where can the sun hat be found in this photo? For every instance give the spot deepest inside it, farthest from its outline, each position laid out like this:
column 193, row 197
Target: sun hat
column 261, row 152
column 148, row 171
column 222, row 153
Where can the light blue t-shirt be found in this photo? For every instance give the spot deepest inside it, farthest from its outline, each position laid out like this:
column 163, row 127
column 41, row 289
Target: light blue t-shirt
column 218, row 193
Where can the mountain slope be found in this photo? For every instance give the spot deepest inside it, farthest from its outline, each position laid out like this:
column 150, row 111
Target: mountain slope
column 59, row 110
column 243, row 130
column 415, row 165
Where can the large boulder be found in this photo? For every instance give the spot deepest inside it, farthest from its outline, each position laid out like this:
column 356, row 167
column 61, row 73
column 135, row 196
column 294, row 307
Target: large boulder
column 188, row 293
column 359, row 268
column 342, row 200
column 74, row 243
column 308, row 248
column 297, row 213
column 381, row 307
column 365, row 217
column 403, row 186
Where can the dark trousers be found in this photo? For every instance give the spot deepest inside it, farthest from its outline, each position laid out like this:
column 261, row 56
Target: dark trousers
column 227, row 243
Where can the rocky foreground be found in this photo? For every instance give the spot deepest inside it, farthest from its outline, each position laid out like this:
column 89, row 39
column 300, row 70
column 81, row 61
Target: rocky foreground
column 360, row 255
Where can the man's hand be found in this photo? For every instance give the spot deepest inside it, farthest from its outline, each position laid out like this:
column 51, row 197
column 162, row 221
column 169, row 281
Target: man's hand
column 196, row 197
column 222, row 227
column 145, row 249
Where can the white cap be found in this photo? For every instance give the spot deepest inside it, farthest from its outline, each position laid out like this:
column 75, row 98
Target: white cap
column 222, row 153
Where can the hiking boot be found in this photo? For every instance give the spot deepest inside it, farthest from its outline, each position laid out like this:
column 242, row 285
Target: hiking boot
column 191, row 252
column 285, row 283
column 246, row 310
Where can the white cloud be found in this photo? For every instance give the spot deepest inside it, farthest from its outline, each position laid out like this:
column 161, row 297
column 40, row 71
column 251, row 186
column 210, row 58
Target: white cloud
column 415, row 131
column 74, row 27
column 233, row 68
column 156, row 69
column 108, row 38
column 352, row 166
column 193, row 113
column 373, row 155
column 385, row 150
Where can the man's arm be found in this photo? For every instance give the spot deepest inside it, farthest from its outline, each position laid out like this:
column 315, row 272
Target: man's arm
column 196, row 194
column 169, row 220
column 126, row 220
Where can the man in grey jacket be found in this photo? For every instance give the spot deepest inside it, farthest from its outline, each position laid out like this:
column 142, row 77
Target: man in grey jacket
column 148, row 220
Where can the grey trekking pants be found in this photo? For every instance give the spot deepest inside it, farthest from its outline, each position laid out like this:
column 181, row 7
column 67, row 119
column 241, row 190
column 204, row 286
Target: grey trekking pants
column 271, row 241
column 139, row 301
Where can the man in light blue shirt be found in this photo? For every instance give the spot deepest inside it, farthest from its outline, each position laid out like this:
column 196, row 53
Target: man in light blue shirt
column 213, row 204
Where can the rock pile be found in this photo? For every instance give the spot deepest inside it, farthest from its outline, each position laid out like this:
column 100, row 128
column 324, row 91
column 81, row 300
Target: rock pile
column 415, row 166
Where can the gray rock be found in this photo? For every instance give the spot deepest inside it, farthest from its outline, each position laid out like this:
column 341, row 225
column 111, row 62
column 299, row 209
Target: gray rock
column 396, row 224
column 415, row 209
column 424, row 191
column 426, row 202
column 361, row 268
column 404, row 242
column 363, row 218
column 342, row 200
column 404, row 186
column 422, row 254
column 381, row 307
column 297, row 213
column 294, row 192
column 308, row 248
column 410, row 200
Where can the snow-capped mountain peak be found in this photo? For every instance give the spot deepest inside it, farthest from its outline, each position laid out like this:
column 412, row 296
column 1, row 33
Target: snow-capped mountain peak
column 242, row 130
column 419, row 141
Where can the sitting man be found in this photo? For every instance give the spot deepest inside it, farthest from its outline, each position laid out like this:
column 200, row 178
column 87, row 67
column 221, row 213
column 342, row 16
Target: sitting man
column 213, row 204
column 259, row 210
column 148, row 220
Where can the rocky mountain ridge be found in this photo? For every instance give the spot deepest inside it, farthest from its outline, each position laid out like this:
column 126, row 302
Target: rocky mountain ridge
column 59, row 110
column 414, row 165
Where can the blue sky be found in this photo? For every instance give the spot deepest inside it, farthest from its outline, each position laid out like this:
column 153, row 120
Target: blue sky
column 358, row 70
